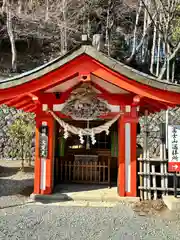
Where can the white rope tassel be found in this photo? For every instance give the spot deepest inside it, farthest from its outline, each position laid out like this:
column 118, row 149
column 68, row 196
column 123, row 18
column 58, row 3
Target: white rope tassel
column 66, row 132
column 107, row 132
column 81, row 137
column 93, row 137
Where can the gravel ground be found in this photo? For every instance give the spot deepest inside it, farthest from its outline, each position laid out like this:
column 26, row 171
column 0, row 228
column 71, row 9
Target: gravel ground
column 58, row 222
column 50, row 222
column 15, row 186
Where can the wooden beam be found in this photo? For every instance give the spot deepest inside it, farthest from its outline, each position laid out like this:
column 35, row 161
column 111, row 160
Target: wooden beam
column 22, row 103
column 66, row 79
column 137, row 88
column 27, row 107
column 102, row 90
column 117, row 99
column 12, row 101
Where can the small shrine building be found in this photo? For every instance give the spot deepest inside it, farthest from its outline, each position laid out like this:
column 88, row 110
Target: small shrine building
column 87, row 107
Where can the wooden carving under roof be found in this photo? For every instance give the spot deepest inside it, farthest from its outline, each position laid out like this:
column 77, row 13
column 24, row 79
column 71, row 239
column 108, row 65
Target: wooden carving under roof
column 83, row 104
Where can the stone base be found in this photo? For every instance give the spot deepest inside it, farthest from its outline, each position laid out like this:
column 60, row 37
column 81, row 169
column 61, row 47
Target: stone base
column 82, row 197
column 172, row 203
column 84, row 192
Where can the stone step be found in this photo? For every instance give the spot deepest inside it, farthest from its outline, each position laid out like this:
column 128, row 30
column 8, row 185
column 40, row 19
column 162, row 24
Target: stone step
column 82, row 197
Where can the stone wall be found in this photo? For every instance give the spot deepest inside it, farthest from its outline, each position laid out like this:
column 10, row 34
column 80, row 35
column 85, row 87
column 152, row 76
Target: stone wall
column 154, row 121
column 9, row 148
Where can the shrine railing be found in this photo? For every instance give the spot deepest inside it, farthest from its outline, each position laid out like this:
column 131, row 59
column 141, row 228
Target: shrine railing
column 80, row 171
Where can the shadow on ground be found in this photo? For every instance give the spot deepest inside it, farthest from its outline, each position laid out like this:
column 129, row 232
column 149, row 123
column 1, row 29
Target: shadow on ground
column 10, row 187
column 73, row 187
column 9, row 171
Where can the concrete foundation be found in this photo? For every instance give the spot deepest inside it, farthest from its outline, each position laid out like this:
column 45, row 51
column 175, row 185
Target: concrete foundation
column 88, row 193
column 172, row 203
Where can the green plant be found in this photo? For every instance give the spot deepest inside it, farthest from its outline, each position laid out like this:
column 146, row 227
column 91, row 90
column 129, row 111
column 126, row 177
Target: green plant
column 22, row 131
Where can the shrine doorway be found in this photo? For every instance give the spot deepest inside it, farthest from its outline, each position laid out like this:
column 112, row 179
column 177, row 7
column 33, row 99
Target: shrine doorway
column 86, row 163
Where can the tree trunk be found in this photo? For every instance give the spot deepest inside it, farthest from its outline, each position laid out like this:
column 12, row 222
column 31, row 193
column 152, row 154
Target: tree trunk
column 135, row 31
column 144, row 31
column 19, row 7
column 88, row 27
column 64, row 48
column 168, row 64
column 153, row 50
column 47, row 11
column 172, row 56
column 22, row 154
column 29, row 163
column 158, row 52
column 173, row 71
column 3, row 6
column 108, row 28
column 11, row 36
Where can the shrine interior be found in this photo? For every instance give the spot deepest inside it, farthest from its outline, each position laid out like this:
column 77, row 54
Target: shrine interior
column 86, row 163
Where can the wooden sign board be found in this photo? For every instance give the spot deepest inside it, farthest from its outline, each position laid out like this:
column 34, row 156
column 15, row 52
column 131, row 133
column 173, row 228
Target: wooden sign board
column 174, row 148
column 43, row 145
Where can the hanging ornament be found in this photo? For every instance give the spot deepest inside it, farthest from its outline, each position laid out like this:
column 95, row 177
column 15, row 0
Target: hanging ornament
column 93, row 137
column 87, row 140
column 81, row 137
column 66, row 132
column 107, row 131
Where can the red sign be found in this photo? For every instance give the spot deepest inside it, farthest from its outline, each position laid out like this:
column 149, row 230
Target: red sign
column 174, row 167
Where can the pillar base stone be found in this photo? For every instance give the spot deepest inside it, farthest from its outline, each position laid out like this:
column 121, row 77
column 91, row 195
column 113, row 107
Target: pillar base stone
column 172, row 203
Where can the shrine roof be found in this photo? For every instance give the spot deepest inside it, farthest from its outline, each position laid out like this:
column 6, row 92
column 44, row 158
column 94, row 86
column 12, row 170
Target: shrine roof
column 107, row 61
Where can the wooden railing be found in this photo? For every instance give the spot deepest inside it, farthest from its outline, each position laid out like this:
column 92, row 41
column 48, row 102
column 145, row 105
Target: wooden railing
column 80, row 172
column 155, row 181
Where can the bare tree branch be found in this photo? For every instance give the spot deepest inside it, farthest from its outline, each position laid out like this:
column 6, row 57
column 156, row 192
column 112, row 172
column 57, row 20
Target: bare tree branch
column 11, row 35
column 172, row 56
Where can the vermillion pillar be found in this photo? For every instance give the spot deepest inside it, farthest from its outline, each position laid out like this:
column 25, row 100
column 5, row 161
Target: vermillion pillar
column 127, row 159
column 44, row 154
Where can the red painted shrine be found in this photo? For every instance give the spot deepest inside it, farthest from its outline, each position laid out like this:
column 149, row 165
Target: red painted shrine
column 111, row 158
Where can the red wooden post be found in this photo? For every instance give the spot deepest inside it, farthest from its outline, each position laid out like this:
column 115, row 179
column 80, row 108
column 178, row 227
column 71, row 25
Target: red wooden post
column 127, row 170
column 121, row 157
column 43, row 182
column 37, row 170
column 133, row 159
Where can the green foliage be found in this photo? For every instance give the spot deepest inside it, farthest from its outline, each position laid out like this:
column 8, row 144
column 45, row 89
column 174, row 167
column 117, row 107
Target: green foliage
column 22, row 131
column 22, row 127
column 176, row 27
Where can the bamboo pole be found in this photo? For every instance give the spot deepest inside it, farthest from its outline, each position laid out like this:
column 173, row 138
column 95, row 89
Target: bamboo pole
column 145, row 155
column 141, row 178
column 162, row 166
column 154, row 181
